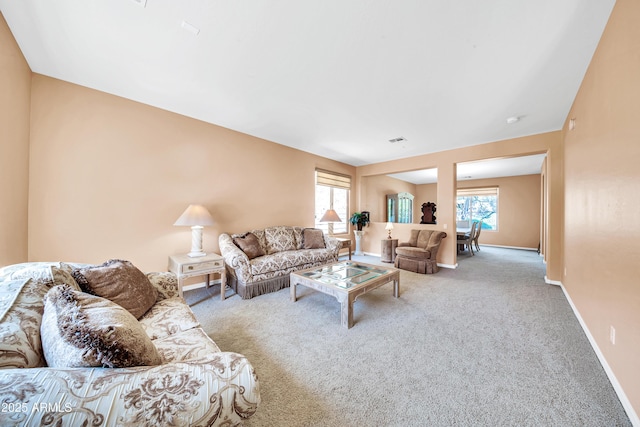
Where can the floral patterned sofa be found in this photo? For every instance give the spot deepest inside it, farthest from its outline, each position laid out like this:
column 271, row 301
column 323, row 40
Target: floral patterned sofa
column 260, row 261
column 191, row 382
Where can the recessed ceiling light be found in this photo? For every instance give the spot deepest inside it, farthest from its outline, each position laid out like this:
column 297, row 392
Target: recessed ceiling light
column 513, row 119
column 192, row 29
column 398, row 139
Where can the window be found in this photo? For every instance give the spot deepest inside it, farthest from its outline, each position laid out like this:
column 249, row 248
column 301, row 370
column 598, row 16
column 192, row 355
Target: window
column 478, row 204
column 332, row 192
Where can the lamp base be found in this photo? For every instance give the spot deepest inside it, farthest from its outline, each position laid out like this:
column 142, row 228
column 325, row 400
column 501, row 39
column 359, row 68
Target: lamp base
column 196, row 242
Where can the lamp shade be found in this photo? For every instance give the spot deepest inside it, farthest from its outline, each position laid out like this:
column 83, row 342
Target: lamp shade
column 195, row 215
column 330, row 216
column 389, row 226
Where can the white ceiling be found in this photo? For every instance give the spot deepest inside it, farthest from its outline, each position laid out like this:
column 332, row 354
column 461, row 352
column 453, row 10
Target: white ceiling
column 494, row 168
column 333, row 77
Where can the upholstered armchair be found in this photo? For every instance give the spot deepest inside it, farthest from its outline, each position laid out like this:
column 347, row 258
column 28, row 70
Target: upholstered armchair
column 420, row 252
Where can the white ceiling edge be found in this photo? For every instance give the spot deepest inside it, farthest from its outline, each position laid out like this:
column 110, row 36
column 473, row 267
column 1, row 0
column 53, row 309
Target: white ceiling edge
column 482, row 169
column 335, row 78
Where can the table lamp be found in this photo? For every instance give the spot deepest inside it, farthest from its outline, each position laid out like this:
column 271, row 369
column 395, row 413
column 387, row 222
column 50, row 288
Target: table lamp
column 330, row 216
column 196, row 216
column 389, row 227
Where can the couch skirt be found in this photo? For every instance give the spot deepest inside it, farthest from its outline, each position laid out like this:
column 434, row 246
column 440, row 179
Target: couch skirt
column 421, row 266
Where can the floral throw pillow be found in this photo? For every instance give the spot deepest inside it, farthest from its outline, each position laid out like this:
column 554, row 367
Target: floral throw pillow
column 280, row 239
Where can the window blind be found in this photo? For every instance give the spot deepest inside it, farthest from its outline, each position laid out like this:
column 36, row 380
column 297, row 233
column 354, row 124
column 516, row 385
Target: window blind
column 485, row 191
column 333, row 179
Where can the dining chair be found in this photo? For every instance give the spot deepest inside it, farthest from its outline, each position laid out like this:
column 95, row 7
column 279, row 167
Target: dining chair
column 467, row 239
column 475, row 238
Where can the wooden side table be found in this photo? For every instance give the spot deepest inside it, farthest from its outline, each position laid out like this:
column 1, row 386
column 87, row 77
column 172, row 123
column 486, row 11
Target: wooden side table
column 345, row 243
column 388, row 252
column 184, row 266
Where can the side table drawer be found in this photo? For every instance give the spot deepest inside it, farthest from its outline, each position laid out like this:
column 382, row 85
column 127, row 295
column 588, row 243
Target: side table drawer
column 192, row 268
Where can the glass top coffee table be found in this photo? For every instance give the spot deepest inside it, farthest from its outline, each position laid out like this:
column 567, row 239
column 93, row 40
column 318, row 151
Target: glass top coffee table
column 346, row 281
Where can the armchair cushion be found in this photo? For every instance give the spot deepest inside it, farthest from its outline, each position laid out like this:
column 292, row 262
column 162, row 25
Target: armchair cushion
column 121, row 282
column 413, row 252
column 83, row 330
column 249, row 244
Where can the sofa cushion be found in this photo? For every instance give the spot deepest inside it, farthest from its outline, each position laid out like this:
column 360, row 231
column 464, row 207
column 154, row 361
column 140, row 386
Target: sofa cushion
column 83, row 330
column 279, row 239
column 168, row 317
column 313, row 238
column 283, row 262
column 121, row 282
column 249, row 244
column 49, row 273
column 21, row 311
column 186, row 346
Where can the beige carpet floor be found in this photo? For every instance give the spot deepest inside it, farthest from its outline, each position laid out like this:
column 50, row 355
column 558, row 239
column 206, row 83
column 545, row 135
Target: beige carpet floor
column 486, row 344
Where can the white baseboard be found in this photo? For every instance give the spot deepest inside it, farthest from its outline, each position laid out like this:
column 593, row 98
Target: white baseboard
column 626, row 404
column 448, row 265
column 511, row 247
column 552, row 282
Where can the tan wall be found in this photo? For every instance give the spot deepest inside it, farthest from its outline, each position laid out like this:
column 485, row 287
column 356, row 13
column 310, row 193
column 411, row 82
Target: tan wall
column 446, row 161
column 425, row 193
column 518, row 211
column 375, row 190
column 602, row 172
column 15, row 90
column 110, row 176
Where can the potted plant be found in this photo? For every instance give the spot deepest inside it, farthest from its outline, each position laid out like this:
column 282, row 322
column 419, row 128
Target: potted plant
column 359, row 219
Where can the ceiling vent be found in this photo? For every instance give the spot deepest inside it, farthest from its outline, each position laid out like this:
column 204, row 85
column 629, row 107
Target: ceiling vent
column 398, row 139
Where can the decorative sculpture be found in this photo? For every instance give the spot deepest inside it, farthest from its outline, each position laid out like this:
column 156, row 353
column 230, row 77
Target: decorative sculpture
column 428, row 210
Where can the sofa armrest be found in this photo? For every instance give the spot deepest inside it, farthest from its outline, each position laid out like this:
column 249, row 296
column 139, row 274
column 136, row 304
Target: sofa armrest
column 433, row 248
column 333, row 244
column 166, row 284
column 235, row 258
column 222, row 389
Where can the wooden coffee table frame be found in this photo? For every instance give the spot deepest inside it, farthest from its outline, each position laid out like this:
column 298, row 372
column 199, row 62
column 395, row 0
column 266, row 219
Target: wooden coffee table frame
column 346, row 296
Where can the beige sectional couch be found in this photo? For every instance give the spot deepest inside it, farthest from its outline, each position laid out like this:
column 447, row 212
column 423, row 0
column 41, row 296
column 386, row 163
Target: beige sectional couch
column 261, row 260
column 192, row 381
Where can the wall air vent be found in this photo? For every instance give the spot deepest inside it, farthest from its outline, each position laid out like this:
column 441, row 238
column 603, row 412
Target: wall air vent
column 398, row 139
